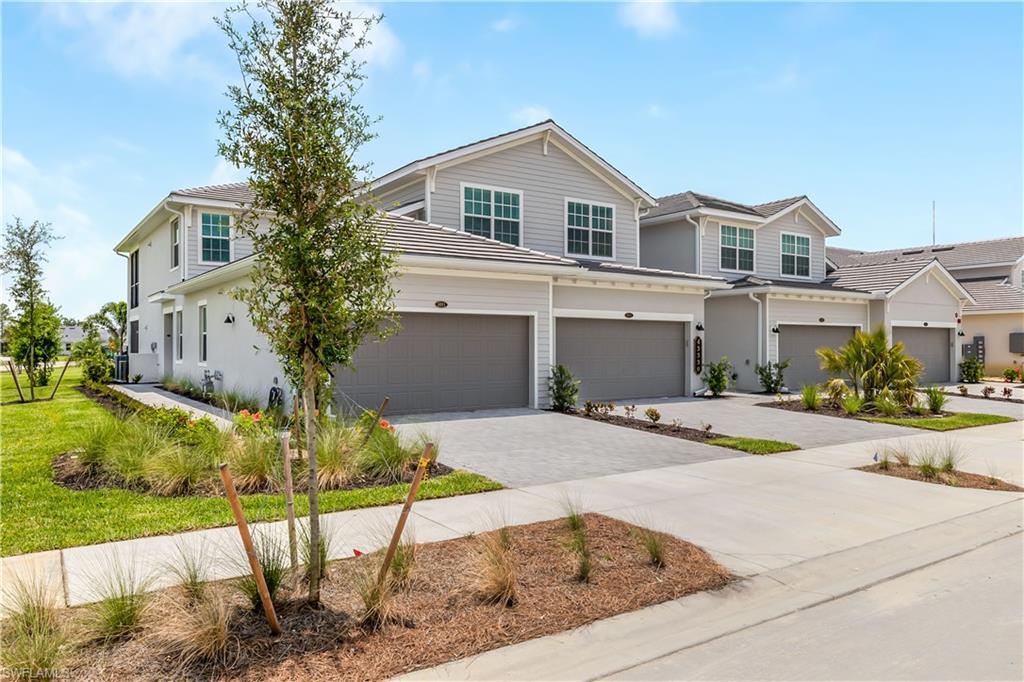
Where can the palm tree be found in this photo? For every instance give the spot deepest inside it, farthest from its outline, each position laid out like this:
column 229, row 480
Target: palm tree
column 872, row 365
column 112, row 318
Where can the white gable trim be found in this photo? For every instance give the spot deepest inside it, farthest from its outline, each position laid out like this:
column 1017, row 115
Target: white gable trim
column 945, row 278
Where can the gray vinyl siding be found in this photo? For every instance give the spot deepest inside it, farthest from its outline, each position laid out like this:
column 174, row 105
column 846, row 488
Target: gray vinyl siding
column 767, row 246
column 407, row 191
column 241, row 246
column 669, row 246
column 546, row 182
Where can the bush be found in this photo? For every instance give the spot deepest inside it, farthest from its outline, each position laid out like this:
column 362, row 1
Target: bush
column 496, row 576
column 936, row 398
column 337, row 447
column 971, row 370
column 871, row 364
column 809, row 397
column 33, row 639
column 273, row 557
column 199, row 631
column 771, row 375
column 653, row 543
column 950, row 456
column 564, row 389
column 255, row 463
column 178, row 470
column 835, row 391
column 581, row 548
column 926, row 465
column 887, row 405
column 92, row 357
column 963, row 390
column 127, row 457
column 1010, row 374
column 118, row 613
column 988, row 391
column 852, row 403
column 653, row 414
column 385, row 457
column 96, row 441
column 718, row 376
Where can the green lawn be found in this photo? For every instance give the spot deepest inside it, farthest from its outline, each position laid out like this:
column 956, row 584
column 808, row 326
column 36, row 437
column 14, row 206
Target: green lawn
column 39, row 515
column 960, row 420
column 755, row 446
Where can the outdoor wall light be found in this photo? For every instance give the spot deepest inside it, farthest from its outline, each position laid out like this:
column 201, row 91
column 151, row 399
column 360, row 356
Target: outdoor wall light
column 821, row 319
column 961, row 333
column 775, row 329
column 700, row 326
column 230, row 319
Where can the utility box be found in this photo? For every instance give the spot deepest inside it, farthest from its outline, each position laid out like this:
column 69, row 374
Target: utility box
column 1017, row 342
column 974, row 349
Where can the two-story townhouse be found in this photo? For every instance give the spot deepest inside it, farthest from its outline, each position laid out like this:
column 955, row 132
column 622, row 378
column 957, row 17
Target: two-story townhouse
column 785, row 301
column 516, row 252
column 992, row 271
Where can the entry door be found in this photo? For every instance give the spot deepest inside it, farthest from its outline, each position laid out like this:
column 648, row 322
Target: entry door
column 168, row 342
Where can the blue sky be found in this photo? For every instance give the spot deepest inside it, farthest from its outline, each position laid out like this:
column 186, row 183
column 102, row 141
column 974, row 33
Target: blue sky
column 873, row 110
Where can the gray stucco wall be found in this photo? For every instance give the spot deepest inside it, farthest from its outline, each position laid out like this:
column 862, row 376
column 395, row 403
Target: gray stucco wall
column 669, row 246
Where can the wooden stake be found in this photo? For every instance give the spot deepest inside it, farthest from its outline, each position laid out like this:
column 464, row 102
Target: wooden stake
column 250, row 551
column 377, row 418
column 17, row 384
column 400, row 526
column 60, row 378
column 289, row 499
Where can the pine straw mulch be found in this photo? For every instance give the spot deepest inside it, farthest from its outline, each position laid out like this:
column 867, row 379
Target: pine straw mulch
column 441, row 617
column 958, row 479
column 661, row 428
column 795, row 405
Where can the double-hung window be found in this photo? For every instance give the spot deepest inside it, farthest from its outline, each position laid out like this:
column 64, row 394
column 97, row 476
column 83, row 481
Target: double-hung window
column 175, row 243
column 178, row 341
column 216, row 238
column 202, row 333
column 590, row 229
column 133, row 336
column 492, row 213
column 796, row 255
column 133, row 279
column 736, row 248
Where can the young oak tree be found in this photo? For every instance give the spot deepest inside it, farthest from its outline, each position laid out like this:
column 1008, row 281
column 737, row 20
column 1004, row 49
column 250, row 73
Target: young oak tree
column 35, row 334
column 322, row 280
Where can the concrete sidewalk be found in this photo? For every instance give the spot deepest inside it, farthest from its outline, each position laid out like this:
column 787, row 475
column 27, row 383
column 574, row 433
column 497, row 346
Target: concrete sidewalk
column 754, row 514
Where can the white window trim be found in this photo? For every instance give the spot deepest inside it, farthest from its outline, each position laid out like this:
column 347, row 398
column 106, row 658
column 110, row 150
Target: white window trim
column 231, row 239
column 565, row 228
column 200, row 361
column 736, row 269
column 492, row 189
column 179, row 335
column 175, row 246
column 810, row 251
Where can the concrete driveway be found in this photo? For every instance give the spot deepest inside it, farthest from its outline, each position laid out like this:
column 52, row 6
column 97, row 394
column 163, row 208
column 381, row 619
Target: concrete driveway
column 519, row 447
column 739, row 415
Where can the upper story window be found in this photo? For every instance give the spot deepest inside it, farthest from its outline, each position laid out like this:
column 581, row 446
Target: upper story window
column 736, row 245
column 175, row 243
column 133, row 279
column 796, row 255
column 216, row 238
column 590, row 229
column 492, row 213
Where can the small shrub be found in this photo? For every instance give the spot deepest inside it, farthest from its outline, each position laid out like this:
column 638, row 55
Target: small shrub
column 385, row 457
column 33, row 639
column 900, row 451
column 835, row 391
column 564, row 389
column 887, row 406
column 988, row 391
column 852, row 403
column 950, row 456
column 136, row 378
column 936, row 398
column 653, row 544
column 581, row 548
column 337, row 445
column 573, row 515
column 122, row 602
column 496, row 576
column 993, row 473
column 178, row 470
column 306, row 549
column 403, row 563
column 884, row 463
column 255, row 463
column 718, row 376
column 378, row 598
column 926, row 465
column 809, row 397
column 98, row 438
column 237, row 400
column 963, row 389
column 630, row 411
column 771, row 376
column 199, row 631
column 971, row 370
column 1007, row 392
column 589, row 407
column 253, row 423
column 127, row 458
column 653, row 414
column 191, row 568
column 1009, row 375
column 273, row 557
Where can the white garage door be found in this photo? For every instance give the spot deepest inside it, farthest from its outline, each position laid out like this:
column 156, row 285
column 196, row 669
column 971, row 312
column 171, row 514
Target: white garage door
column 617, row 359
column 930, row 345
column 799, row 343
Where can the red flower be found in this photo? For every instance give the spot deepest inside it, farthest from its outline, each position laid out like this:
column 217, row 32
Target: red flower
column 244, row 413
column 256, row 417
column 384, row 424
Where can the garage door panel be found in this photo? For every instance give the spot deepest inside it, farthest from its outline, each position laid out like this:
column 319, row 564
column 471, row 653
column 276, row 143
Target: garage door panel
column 799, row 345
column 929, row 345
column 440, row 362
column 617, row 359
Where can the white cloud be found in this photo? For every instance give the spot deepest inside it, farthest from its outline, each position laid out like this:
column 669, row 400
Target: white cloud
column 649, row 18
column 531, row 114
column 504, row 25
column 224, row 173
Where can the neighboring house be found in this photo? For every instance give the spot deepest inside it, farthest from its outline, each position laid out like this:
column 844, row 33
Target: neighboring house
column 992, row 271
column 787, row 299
column 517, row 252
column 70, row 335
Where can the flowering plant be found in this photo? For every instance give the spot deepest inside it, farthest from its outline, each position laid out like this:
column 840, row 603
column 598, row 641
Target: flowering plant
column 252, row 423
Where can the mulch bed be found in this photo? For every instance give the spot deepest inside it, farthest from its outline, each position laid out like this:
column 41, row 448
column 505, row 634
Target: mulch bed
column 441, row 617
column 959, row 479
column 662, row 428
column 69, row 474
column 994, row 397
column 829, row 411
column 115, row 408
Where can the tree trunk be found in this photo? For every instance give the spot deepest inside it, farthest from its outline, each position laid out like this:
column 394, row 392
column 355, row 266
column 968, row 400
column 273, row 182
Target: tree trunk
column 309, row 405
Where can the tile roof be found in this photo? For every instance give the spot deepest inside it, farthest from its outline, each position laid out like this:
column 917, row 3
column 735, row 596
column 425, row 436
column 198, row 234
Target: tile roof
column 883, row 277
column 684, row 201
column 958, row 255
column 237, row 192
column 840, row 256
column 992, row 295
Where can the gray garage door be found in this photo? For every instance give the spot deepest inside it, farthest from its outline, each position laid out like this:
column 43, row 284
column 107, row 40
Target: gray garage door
column 616, row 359
column 798, row 343
column 441, row 362
column 931, row 347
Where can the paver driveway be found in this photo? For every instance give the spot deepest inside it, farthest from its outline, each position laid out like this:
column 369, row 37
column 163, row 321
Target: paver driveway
column 520, row 447
column 739, row 415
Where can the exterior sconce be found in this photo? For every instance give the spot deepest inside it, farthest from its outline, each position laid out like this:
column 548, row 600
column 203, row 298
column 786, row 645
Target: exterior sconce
column 700, row 326
column 821, row 319
column 961, row 333
column 775, row 330
column 230, row 319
